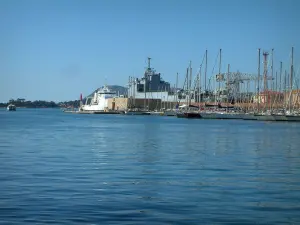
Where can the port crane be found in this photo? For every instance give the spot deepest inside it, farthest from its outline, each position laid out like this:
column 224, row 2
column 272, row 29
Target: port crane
column 233, row 80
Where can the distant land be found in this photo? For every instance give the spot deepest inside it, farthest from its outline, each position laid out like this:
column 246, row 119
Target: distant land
column 23, row 103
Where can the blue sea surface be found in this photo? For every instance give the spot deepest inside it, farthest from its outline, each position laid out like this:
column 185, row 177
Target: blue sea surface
column 60, row 168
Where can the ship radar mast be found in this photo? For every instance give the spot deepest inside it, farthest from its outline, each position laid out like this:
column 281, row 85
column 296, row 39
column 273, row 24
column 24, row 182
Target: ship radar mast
column 149, row 60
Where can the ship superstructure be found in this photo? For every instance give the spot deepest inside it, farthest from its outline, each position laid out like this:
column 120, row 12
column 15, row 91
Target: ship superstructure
column 150, row 86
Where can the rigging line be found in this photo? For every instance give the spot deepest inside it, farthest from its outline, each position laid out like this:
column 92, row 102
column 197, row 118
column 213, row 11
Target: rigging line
column 295, row 78
column 209, row 83
column 203, row 59
column 287, row 65
column 198, row 71
column 212, row 72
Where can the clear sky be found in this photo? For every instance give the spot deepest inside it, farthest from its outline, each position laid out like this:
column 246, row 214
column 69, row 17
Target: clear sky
column 57, row 49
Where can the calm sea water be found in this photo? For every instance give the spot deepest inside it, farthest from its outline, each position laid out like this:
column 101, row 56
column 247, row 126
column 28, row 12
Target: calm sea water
column 112, row 169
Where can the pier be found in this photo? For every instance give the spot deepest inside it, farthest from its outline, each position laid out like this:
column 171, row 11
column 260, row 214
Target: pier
column 92, row 112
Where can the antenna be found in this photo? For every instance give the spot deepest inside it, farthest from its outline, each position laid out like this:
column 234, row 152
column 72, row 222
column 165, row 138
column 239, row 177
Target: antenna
column 258, row 77
column 205, row 70
column 149, row 60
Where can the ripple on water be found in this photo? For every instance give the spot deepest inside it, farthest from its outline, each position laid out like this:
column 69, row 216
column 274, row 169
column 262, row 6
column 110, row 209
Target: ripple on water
column 89, row 169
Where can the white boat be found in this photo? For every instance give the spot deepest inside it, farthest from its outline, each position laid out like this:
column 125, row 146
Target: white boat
column 292, row 116
column 156, row 113
column 11, row 107
column 99, row 102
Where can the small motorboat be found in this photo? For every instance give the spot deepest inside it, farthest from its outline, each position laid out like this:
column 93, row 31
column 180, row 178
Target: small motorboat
column 11, row 107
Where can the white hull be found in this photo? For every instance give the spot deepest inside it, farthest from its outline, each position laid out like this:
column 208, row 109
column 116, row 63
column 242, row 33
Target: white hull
column 100, row 100
column 100, row 107
column 11, row 108
column 156, row 113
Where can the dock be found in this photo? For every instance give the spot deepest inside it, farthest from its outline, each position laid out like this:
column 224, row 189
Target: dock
column 240, row 116
column 205, row 115
column 92, row 112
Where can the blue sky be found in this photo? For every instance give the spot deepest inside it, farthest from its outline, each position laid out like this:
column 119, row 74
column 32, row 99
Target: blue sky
column 57, row 49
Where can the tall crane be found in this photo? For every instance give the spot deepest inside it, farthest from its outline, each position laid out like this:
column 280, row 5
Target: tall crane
column 234, row 79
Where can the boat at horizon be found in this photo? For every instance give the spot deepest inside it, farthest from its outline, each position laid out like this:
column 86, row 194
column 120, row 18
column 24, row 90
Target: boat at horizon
column 11, row 107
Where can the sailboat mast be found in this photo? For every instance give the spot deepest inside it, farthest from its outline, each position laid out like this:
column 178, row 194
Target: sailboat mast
column 190, row 88
column 176, row 88
column 291, row 79
column 280, row 75
column 276, row 87
column 258, row 78
column 284, row 86
column 205, row 70
column 227, row 85
column 272, row 71
column 292, row 68
column 272, row 84
column 187, row 86
column 220, row 72
column 199, row 91
column 134, row 86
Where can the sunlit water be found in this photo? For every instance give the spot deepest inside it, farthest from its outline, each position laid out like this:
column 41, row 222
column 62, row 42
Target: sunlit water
column 115, row 169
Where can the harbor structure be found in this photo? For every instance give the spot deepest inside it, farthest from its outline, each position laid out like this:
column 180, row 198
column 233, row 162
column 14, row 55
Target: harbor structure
column 261, row 94
column 150, row 86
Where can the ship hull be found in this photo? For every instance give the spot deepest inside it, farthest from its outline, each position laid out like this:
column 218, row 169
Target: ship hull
column 189, row 115
column 265, row 117
column 229, row 116
column 249, row 117
column 137, row 113
column 292, row 118
column 280, row 117
column 156, row 113
column 209, row 115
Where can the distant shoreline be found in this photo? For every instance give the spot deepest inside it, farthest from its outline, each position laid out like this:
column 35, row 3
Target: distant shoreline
column 23, row 103
column 21, row 107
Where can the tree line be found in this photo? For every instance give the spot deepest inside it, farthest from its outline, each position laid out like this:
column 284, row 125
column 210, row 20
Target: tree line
column 21, row 102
